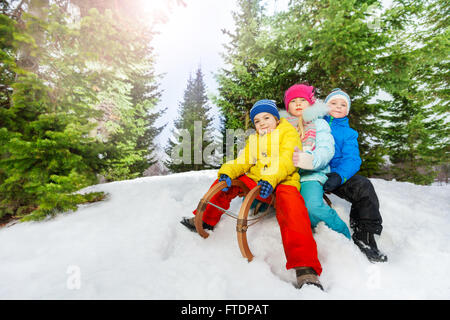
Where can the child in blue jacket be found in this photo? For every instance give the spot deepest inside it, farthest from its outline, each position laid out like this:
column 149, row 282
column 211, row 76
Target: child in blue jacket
column 365, row 218
column 318, row 150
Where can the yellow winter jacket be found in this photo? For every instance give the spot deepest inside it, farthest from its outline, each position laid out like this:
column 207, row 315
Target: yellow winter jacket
column 268, row 157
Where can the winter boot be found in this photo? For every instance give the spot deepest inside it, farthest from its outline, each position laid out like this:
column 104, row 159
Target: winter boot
column 190, row 224
column 366, row 243
column 259, row 206
column 307, row 275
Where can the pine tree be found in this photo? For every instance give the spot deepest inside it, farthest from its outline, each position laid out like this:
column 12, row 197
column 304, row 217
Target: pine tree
column 415, row 133
column 128, row 98
column 336, row 44
column 126, row 88
column 7, row 75
column 247, row 78
column 361, row 47
column 85, row 110
column 327, row 44
column 145, row 94
column 45, row 156
column 192, row 129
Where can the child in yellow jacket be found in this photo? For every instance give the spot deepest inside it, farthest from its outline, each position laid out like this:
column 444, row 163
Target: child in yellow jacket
column 267, row 161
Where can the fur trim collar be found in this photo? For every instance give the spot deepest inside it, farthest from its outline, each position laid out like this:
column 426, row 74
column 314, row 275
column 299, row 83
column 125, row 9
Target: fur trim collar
column 318, row 110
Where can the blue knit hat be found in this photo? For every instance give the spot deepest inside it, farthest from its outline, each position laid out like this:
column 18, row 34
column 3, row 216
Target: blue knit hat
column 338, row 93
column 264, row 105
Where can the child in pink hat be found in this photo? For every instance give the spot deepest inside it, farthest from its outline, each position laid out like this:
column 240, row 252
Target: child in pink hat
column 317, row 151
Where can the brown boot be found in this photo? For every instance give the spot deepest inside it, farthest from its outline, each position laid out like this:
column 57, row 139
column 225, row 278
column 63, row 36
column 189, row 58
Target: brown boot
column 307, row 275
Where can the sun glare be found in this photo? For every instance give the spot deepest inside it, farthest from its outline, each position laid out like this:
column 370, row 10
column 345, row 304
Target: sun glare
column 149, row 6
column 159, row 9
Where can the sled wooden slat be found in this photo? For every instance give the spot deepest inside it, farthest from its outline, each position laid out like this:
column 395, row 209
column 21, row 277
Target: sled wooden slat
column 241, row 226
column 327, row 200
column 242, row 219
column 207, row 197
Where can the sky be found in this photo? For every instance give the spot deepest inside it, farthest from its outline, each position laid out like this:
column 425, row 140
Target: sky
column 192, row 37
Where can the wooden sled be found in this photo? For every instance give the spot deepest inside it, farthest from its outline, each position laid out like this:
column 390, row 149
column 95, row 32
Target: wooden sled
column 242, row 218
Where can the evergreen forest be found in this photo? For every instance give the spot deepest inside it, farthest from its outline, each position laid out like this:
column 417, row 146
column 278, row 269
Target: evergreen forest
column 79, row 90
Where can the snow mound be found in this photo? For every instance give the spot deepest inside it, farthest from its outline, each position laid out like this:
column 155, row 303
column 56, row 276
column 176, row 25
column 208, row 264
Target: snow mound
column 132, row 246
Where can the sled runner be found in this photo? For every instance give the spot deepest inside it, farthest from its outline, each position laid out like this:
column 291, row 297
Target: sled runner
column 242, row 218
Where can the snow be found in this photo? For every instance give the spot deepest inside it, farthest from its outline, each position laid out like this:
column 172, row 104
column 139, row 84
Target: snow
column 132, row 246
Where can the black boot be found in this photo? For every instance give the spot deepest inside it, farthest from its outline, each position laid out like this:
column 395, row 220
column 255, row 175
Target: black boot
column 366, row 243
column 190, row 224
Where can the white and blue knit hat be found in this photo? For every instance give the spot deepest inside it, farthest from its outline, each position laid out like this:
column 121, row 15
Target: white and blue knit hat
column 338, row 93
column 264, row 105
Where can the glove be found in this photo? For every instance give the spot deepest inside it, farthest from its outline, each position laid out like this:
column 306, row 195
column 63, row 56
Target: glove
column 334, row 181
column 302, row 160
column 266, row 189
column 227, row 179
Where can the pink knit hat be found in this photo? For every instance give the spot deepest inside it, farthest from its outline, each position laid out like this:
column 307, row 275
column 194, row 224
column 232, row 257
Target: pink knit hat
column 299, row 91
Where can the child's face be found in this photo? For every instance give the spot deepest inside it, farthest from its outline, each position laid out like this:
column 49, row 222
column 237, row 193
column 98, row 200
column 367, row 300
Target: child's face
column 338, row 108
column 265, row 122
column 297, row 105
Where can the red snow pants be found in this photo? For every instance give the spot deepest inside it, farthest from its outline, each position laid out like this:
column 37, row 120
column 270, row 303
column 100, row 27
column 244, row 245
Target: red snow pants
column 299, row 245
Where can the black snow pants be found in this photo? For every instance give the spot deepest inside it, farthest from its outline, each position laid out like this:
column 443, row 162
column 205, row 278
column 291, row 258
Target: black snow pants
column 364, row 213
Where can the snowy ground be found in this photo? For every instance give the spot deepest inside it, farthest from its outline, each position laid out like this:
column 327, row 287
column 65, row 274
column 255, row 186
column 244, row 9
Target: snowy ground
column 132, row 246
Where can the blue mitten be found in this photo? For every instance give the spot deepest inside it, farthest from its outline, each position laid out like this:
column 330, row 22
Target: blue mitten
column 266, row 189
column 227, row 179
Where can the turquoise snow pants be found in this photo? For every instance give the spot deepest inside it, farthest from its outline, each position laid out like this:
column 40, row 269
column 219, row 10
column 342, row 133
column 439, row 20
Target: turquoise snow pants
column 318, row 210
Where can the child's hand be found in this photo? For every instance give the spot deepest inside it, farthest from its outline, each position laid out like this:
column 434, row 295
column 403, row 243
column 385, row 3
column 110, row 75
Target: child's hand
column 334, row 181
column 266, row 189
column 227, row 179
column 296, row 156
column 302, row 160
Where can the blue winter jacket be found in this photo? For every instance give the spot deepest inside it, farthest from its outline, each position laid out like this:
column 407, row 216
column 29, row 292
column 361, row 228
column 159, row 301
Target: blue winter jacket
column 324, row 149
column 346, row 161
